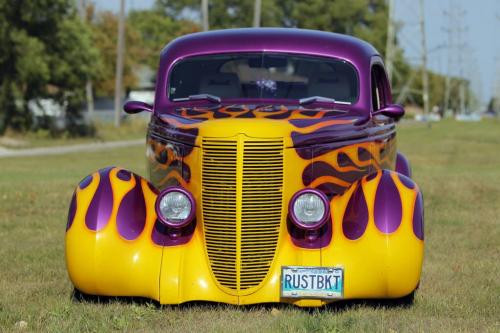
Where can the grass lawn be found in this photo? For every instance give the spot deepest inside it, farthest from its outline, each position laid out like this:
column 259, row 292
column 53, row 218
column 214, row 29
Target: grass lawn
column 456, row 164
column 131, row 128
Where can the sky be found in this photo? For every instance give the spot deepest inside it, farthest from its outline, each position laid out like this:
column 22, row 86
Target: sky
column 476, row 50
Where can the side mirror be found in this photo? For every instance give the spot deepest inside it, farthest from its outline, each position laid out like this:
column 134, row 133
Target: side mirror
column 394, row 111
column 132, row 107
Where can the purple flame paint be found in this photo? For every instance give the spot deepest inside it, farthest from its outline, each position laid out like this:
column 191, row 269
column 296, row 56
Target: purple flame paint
column 131, row 217
column 388, row 208
column 319, row 169
column 371, row 176
column 85, row 182
column 101, row 205
column 72, row 211
column 418, row 217
column 402, row 165
column 406, row 181
column 356, row 215
column 124, row 175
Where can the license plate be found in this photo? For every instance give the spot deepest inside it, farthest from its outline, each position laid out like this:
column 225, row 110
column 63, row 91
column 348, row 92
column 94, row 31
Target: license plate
column 312, row 282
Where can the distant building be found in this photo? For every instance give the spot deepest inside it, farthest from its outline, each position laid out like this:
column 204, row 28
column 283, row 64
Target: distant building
column 144, row 91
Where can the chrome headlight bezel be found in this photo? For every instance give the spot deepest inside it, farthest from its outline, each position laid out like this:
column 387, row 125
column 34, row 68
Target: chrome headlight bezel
column 309, row 225
column 170, row 223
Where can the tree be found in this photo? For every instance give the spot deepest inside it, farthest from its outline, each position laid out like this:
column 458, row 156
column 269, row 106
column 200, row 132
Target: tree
column 104, row 28
column 155, row 30
column 492, row 106
column 46, row 51
column 366, row 19
column 225, row 14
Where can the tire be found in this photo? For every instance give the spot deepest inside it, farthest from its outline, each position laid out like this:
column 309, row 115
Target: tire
column 405, row 301
column 79, row 296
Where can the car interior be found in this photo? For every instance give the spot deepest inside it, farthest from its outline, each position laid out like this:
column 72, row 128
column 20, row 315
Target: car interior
column 264, row 76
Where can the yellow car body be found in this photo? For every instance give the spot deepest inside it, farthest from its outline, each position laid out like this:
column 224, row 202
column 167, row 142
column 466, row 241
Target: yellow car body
column 243, row 165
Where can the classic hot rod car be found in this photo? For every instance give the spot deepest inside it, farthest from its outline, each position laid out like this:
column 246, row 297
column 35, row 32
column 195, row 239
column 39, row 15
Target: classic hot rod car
column 273, row 177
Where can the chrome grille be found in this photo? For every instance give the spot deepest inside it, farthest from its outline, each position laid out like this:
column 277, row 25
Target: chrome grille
column 219, row 208
column 261, row 208
column 242, row 216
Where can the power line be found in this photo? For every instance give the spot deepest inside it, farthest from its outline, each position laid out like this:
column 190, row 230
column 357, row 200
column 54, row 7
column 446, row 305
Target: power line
column 406, row 36
column 456, row 48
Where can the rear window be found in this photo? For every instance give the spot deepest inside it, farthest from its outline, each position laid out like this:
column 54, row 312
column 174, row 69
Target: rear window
column 264, row 75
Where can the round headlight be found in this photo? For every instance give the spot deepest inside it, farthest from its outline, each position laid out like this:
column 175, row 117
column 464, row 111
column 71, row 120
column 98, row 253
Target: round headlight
column 309, row 209
column 175, row 207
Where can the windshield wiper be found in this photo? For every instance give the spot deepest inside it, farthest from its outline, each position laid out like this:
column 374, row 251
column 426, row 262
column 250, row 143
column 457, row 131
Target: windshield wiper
column 208, row 97
column 314, row 99
column 320, row 99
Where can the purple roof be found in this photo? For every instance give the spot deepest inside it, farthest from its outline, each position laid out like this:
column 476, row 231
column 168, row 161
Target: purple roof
column 288, row 40
column 270, row 39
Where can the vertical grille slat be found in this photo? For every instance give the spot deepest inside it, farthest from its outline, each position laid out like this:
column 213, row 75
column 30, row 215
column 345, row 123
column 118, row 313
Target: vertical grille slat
column 219, row 179
column 262, row 168
column 241, row 246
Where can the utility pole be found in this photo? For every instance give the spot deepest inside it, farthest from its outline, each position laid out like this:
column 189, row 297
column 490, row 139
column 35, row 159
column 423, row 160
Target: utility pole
column 474, row 102
column 461, row 94
column 496, row 91
column 120, row 49
column 389, row 49
column 461, row 87
column 82, row 8
column 456, row 48
column 257, row 13
column 408, row 37
column 447, row 82
column 425, row 75
column 204, row 14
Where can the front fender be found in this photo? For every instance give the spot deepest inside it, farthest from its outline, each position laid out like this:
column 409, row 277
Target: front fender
column 378, row 236
column 110, row 247
column 403, row 166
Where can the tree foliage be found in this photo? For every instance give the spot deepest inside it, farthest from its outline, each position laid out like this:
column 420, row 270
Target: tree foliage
column 362, row 18
column 146, row 33
column 156, row 30
column 366, row 19
column 105, row 37
column 46, row 51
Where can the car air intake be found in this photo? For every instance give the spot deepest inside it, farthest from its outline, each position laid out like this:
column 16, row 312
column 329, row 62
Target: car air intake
column 242, row 200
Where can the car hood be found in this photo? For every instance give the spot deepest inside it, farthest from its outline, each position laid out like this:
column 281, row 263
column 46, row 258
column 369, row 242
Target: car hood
column 297, row 125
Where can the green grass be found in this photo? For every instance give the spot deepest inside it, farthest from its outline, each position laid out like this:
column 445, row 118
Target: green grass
column 456, row 164
column 131, row 128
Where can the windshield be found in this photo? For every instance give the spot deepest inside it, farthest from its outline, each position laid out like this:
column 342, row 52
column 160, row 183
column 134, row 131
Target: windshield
column 264, row 75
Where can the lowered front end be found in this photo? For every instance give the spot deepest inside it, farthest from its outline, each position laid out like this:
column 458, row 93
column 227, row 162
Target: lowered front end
column 270, row 222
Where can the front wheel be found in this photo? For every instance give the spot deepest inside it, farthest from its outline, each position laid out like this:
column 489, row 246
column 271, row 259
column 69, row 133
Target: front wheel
column 79, row 296
column 405, row 301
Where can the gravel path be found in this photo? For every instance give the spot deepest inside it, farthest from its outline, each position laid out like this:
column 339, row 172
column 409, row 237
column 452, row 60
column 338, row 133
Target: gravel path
column 85, row 147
